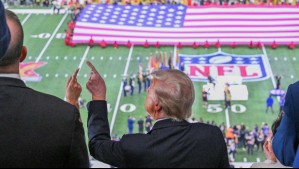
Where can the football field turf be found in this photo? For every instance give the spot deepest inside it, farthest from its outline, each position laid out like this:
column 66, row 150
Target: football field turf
column 45, row 43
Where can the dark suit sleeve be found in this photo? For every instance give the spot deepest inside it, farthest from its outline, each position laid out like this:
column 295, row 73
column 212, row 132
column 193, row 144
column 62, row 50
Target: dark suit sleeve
column 100, row 145
column 289, row 101
column 78, row 153
column 224, row 163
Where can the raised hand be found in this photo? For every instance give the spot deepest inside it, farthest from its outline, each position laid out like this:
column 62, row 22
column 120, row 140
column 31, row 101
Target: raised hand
column 73, row 90
column 96, row 84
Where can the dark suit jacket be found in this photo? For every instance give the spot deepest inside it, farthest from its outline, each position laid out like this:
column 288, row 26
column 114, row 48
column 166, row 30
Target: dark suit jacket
column 170, row 144
column 38, row 130
column 286, row 140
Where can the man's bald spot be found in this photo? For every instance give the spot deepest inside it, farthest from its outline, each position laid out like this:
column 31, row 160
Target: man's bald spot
column 17, row 38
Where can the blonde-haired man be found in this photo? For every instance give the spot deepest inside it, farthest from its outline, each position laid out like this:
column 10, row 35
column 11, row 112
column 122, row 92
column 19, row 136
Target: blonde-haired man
column 172, row 143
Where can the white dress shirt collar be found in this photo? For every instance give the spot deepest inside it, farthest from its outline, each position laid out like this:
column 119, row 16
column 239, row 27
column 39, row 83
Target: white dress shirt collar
column 14, row 76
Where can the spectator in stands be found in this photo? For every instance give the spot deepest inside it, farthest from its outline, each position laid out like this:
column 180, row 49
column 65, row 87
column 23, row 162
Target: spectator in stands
column 250, row 143
column 37, row 130
column 285, row 143
column 266, row 130
column 271, row 160
column 170, row 99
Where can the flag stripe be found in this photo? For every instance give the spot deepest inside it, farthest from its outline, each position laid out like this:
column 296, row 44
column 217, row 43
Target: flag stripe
column 189, row 35
column 174, row 24
column 91, row 26
column 87, row 30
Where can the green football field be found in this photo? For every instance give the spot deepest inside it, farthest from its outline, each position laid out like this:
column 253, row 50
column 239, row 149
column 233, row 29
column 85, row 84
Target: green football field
column 44, row 40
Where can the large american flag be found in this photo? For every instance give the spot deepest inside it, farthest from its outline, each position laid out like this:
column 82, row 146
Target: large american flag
column 173, row 24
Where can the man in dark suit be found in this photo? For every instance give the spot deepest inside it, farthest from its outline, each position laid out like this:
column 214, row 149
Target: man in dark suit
column 172, row 143
column 37, row 130
column 286, row 139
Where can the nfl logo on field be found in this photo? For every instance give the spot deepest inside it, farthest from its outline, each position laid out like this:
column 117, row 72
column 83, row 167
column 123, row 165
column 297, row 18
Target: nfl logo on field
column 249, row 67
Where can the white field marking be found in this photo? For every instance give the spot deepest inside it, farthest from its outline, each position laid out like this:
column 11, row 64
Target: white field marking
column 84, row 58
column 57, row 75
column 35, row 11
column 75, row 58
column 66, row 75
column 276, row 59
column 48, row 58
column 85, row 76
column 57, row 57
column 65, row 58
column 52, row 37
column 92, row 58
column 26, row 19
column 114, row 76
column 227, row 118
column 294, row 59
column 292, row 76
column 120, row 58
column 268, row 66
column 285, row 58
column 47, row 75
column 121, row 90
column 111, row 58
column 219, row 50
column 30, row 57
column 102, row 58
column 174, row 56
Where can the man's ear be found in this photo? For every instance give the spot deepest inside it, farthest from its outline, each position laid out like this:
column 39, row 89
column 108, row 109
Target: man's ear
column 158, row 107
column 23, row 54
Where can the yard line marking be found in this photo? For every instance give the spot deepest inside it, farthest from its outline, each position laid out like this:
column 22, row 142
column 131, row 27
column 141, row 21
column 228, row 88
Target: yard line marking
column 121, row 91
column 25, row 20
column 268, row 66
column 84, row 57
column 175, row 55
column 227, row 118
column 52, row 37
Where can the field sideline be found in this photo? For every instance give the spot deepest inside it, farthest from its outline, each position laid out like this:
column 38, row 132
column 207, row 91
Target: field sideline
column 44, row 39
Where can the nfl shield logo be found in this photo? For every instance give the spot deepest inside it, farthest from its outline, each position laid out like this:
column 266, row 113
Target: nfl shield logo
column 250, row 68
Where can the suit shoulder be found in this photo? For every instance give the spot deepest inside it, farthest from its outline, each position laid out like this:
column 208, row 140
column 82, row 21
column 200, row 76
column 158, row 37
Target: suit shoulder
column 51, row 101
column 294, row 86
column 205, row 126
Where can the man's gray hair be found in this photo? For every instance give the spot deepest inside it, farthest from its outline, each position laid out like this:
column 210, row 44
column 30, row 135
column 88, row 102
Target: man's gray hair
column 175, row 93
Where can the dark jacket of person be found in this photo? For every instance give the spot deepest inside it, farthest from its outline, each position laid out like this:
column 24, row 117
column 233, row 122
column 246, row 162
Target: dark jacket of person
column 286, row 139
column 38, row 130
column 170, row 144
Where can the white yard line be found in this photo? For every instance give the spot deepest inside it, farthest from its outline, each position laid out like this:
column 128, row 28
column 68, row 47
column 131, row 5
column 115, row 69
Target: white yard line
column 35, row 11
column 120, row 91
column 52, row 37
column 175, row 55
column 219, row 50
column 227, row 118
column 268, row 66
column 25, row 20
column 84, row 57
